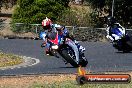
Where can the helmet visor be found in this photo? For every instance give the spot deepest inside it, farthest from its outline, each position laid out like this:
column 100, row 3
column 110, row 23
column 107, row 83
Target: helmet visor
column 46, row 27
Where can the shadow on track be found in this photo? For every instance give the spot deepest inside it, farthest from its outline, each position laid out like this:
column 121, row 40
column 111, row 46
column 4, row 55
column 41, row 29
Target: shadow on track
column 120, row 52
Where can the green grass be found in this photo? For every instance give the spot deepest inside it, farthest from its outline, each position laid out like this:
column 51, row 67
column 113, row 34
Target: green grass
column 73, row 84
column 9, row 60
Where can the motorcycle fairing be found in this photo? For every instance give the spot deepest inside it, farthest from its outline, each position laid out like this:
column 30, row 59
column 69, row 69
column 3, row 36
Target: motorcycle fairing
column 55, row 41
column 74, row 47
column 117, row 33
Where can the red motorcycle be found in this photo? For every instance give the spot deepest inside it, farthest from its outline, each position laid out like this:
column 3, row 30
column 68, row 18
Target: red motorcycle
column 67, row 49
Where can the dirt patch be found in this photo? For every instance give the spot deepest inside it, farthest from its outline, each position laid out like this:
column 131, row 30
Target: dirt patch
column 5, row 27
column 9, row 60
column 6, row 31
column 26, row 81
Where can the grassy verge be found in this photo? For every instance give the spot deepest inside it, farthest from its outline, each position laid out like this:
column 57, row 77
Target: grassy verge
column 53, row 81
column 73, row 84
column 9, row 60
column 46, row 81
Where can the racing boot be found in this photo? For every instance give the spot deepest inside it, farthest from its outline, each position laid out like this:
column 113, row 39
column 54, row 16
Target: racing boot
column 47, row 52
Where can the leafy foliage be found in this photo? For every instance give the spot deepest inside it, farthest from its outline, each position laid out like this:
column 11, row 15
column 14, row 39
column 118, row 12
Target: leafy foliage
column 63, row 2
column 76, row 16
column 123, row 12
column 34, row 11
column 97, row 3
column 122, row 9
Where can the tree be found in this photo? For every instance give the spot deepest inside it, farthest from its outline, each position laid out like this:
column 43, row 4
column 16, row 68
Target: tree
column 122, row 9
column 34, row 11
column 123, row 12
column 63, row 2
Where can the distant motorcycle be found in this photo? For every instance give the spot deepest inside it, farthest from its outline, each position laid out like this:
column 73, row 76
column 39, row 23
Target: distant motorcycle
column 67, row 49
column 122, row 41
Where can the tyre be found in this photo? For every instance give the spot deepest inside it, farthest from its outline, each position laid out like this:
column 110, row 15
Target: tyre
column 83, row 61
column 126, row 50
column 127, row 47
column 69, row 57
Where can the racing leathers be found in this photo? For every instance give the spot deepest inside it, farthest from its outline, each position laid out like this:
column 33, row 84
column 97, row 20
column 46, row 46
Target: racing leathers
column 112, row 36
column 62, row 30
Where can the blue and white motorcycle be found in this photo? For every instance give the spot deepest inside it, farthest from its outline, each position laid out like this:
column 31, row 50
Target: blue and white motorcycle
column 120, row 40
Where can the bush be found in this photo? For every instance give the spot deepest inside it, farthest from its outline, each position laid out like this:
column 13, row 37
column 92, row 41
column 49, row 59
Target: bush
column 34, row 11
column 77, row 16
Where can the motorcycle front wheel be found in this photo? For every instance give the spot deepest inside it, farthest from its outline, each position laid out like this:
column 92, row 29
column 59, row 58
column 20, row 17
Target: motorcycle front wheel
column 69, row 57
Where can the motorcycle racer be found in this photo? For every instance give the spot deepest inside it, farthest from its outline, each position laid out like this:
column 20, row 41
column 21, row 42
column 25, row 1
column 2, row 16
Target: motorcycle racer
column 111, row 26
column 49, row 31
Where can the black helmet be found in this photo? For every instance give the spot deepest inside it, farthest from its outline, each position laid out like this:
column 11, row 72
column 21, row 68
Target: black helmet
column 110, row 20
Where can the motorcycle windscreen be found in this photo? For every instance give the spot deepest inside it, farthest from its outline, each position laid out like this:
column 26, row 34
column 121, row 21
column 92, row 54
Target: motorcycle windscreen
column 116, row 31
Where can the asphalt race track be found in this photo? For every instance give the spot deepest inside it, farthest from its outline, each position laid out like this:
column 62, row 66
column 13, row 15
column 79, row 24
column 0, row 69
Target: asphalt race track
column 101, row 57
